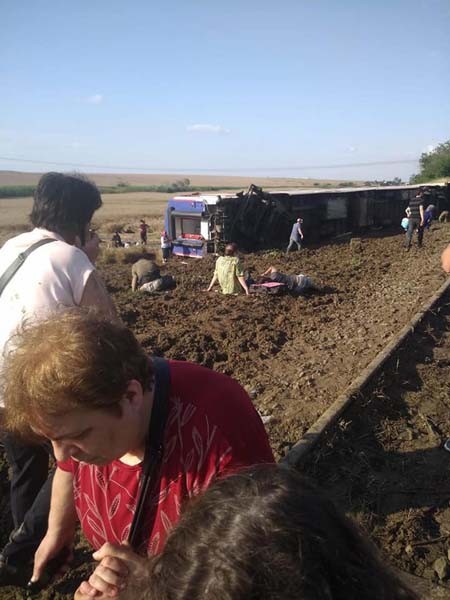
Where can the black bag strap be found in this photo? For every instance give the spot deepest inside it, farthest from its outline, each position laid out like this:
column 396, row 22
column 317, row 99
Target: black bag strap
column 18, row 262
column 154, row 447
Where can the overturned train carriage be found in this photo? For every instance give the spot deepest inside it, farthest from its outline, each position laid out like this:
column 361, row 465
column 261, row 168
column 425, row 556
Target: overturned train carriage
column 202, row 223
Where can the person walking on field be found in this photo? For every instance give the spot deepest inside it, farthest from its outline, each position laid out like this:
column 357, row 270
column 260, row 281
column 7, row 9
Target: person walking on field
column 143, row 228
column 416, row 220
column 296, row 236
column 229, row 272
column 59, row 272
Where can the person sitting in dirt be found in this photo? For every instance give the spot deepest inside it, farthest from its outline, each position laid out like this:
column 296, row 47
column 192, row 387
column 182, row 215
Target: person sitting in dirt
column 84, row 383
column 229, row 272
column 267, row 532
column 116, row 240
column 296, row 284
column 144, row 271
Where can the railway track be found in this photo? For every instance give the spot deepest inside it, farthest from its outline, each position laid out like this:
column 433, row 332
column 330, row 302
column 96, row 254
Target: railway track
column 378, row 450
column 326, row 420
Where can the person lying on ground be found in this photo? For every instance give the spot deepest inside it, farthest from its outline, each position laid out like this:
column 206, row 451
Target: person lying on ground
column 266, row 533
column 229, row 272
column 85, row 383
column 296, row 284
column 59, row 273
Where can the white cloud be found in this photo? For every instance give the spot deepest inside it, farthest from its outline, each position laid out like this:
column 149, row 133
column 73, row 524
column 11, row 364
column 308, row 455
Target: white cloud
column 207, row 128
column 351, row 149
column 95, row 99
column 429, row 148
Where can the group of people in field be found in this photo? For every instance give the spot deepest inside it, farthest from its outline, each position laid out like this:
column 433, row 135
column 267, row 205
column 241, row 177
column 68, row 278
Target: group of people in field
column 419, row 217
column 165, row 241
column 165, row 465
column 232, row 278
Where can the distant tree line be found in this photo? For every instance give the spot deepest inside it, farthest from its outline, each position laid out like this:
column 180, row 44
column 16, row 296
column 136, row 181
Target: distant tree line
column 176, row 187
column 434, row 164
column 375, row 182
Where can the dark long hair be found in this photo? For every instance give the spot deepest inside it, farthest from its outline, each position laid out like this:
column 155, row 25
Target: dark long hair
column 267, row 534
column 64, row 203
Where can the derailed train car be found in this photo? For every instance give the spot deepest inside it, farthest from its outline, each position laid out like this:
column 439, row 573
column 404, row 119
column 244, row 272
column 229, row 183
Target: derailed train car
column 256, row 219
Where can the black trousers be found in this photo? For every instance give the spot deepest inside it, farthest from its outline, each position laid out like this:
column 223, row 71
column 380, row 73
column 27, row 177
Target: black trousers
column 30, row 494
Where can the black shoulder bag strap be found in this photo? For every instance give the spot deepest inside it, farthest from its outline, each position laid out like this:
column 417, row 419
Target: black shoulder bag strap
column 16, row 264
column 154, row 447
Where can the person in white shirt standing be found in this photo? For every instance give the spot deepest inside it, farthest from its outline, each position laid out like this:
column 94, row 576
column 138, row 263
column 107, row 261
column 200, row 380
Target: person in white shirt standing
column 166, row 246
column 54, row 276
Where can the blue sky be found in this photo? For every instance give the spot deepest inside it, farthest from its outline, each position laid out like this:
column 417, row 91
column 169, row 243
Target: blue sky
column 240, row 87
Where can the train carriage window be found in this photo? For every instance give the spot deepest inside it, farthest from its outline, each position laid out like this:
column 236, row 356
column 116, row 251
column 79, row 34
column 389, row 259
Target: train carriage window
column 336, row 208
column 187, row 225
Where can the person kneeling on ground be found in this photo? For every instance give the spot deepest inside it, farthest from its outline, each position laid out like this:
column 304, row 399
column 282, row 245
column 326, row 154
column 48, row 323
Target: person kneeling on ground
column 229, row 272
column 296, row 284
column 146, row 276
column 84, row 383
column 267, row 533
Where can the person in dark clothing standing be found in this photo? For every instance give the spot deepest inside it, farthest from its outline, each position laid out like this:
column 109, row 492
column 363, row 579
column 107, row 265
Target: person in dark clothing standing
column 416, row 220
column 143, row 228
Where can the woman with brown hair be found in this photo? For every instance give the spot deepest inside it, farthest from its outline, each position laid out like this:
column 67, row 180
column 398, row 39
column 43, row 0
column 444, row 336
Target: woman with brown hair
column 267, row 534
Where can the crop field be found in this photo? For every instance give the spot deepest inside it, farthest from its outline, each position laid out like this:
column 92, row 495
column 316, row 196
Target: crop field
column 296, row 355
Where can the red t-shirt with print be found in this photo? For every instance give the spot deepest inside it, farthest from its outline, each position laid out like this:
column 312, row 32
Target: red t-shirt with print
column 212, row 428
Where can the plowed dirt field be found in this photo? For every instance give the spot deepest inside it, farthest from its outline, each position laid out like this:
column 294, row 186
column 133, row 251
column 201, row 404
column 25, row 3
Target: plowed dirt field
column 293, row 355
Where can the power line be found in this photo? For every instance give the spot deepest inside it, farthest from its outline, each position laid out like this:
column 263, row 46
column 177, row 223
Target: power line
column 210, row 170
